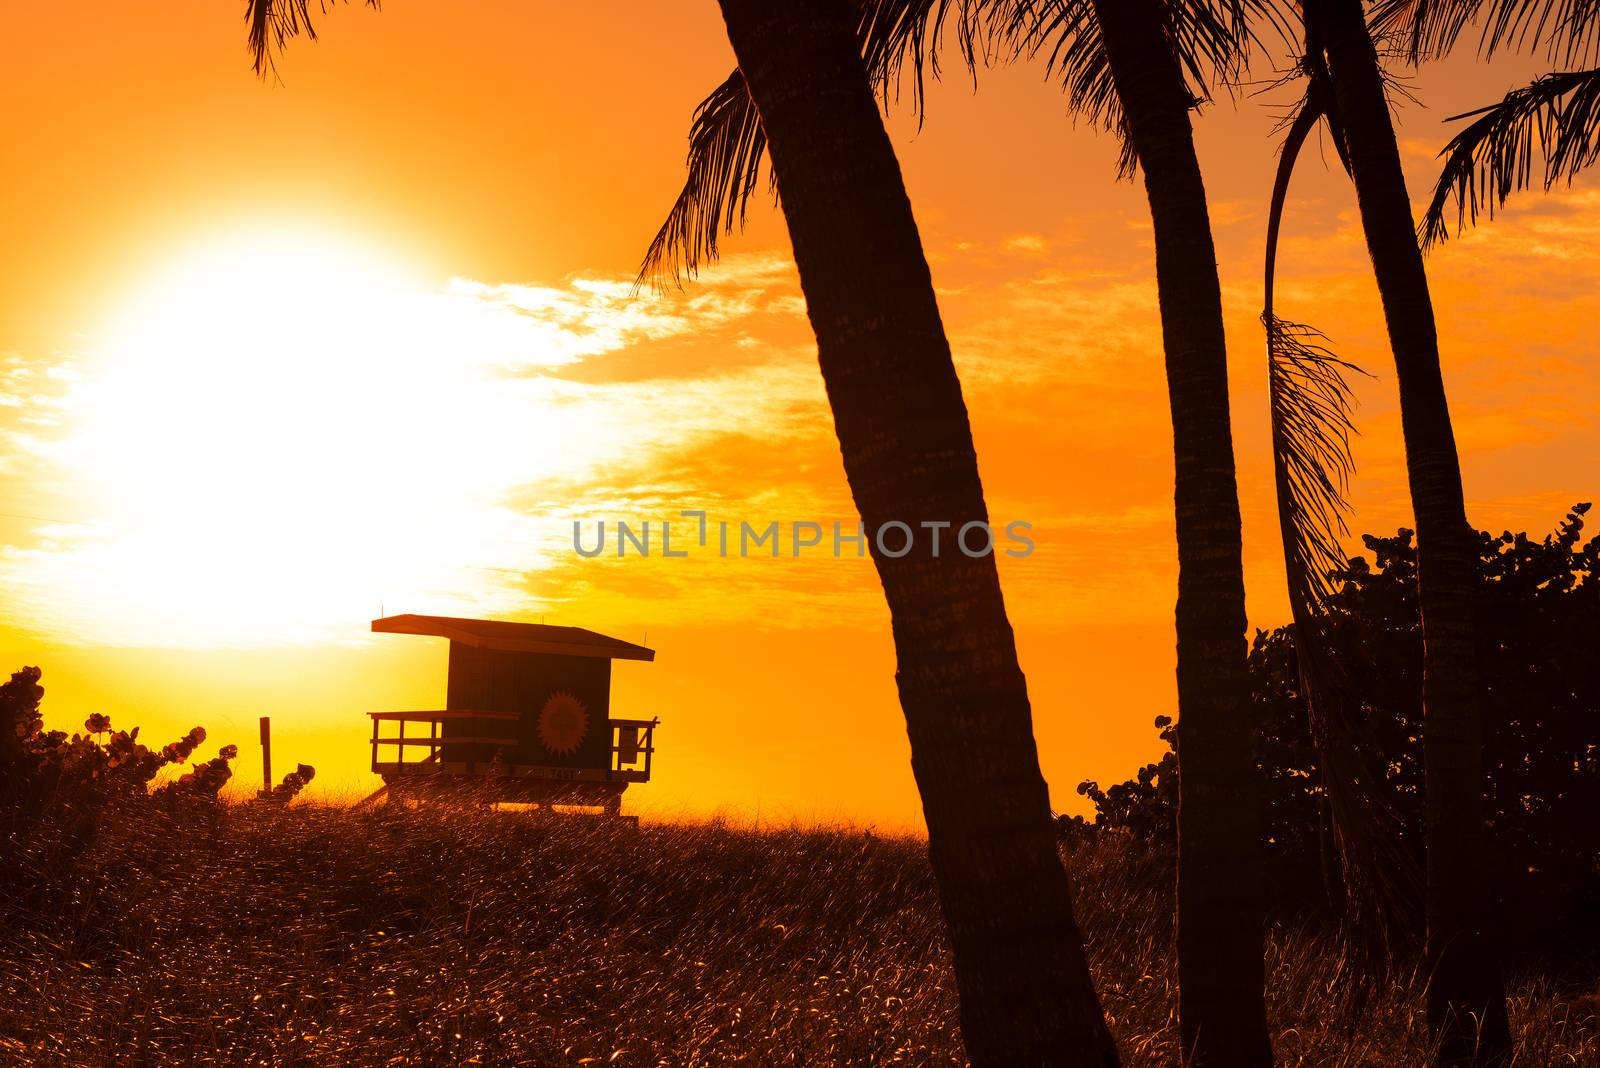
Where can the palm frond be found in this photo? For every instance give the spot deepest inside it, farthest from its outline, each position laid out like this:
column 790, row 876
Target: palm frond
column 1312, row 410
column 1559, row 115
column 1312, row 407
column 898, row 36
column 1311, row 413
column 726, row 147
column 1210, row 38
column 1067, row 33
column 273, row 23
column 1422, row 29
column 1568, row 31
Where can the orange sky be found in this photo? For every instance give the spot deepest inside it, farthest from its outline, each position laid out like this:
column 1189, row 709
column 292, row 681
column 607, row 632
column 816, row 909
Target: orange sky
column 273, row 357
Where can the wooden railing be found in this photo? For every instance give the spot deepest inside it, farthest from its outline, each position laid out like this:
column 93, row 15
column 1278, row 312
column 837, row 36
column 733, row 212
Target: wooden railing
column 435, row 739
column 632, row 744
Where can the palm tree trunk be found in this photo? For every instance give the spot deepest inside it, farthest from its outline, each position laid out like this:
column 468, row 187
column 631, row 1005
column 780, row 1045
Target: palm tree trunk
column 1221, row 1005
column 1026, row 995
column 1381, row 882
column 1465, row 985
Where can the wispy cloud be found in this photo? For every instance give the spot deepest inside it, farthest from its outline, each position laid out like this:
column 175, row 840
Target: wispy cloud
column 428, row 450
column 384, row 446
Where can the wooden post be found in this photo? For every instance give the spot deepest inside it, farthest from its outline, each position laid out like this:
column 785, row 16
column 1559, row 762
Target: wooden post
column 266, row 756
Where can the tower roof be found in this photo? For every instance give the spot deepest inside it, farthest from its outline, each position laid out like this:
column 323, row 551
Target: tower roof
column 515, row 637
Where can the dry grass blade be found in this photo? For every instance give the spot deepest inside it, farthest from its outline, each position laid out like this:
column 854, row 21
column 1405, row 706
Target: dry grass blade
column 1559, row 115
column 321, row 936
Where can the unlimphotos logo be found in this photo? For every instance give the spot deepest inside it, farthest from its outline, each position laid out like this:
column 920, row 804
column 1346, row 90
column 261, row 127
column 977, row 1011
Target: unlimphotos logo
column 892, row 539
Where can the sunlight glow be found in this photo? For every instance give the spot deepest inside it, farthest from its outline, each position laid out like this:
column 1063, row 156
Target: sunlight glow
column 274, row 437
column 280, row 433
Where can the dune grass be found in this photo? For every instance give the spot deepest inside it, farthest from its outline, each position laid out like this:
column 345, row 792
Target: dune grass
column 317, row 935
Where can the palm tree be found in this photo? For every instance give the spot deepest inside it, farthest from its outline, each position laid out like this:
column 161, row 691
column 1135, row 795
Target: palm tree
column 1466, row 999
column 1312, row 422
column 1557, row 114
column 1221, row 1003
column 1124, row 65
column 1492, row 157
column 1026, row 994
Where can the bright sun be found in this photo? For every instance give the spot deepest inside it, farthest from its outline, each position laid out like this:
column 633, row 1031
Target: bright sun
column 280, row 432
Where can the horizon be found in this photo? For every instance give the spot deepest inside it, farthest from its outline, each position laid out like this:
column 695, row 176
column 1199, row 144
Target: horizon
column 435, row 363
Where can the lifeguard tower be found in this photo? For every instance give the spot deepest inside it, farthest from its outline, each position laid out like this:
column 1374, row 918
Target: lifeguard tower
column 527, row 718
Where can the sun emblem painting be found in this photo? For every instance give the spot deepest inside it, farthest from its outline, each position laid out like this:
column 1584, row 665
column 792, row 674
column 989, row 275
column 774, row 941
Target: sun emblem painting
column 562, row 723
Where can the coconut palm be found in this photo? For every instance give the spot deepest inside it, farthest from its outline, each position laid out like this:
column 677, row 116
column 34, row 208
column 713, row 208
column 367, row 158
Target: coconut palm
column 1136, row 67
column 1466, row 1000
column 1557, row 115
column 1026, row 995
column 1312, row 408
column 1221, row 1005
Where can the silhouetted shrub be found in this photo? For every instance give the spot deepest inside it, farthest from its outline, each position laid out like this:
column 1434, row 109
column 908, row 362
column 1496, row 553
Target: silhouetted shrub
column 56, row 790
column 294, row 782
column 1539, row 664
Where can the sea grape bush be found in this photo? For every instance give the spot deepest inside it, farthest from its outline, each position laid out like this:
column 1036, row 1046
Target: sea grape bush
column 1539, row 615
column 207, row 779
column 292, row 784
column 55, row 787
column 36, row 763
